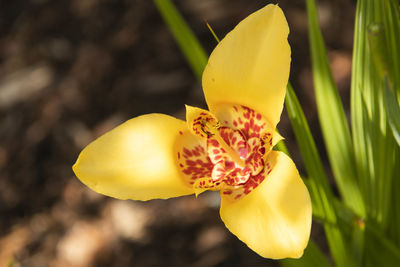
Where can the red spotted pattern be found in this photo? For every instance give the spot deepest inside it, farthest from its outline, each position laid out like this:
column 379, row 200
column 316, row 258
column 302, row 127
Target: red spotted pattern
column 194, row 163
column 211, row 167
column 202, row 119
column 249, row 122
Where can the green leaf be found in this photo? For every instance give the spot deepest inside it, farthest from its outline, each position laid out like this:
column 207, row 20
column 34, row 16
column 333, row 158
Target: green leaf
column 378, row 48
column 188, row 43
column 393, row 111
column 312, row 257
column 381, row 251
column 382, row 60
column 375, row 56
column 332, row 118
column 321, row 194
column 281, row 146
column 394, row 228
column 378, row 45
column 391, row 18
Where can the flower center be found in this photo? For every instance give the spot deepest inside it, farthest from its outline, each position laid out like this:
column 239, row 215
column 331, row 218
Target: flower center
column 234, row 153
column 227, row 173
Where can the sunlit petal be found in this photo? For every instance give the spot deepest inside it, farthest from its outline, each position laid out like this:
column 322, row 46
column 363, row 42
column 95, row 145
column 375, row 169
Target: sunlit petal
column 274, row 219
column 250, row 66
column 137, row 160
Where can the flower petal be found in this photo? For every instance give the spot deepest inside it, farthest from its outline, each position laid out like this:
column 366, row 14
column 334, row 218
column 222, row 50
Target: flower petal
column 136, row 160
column 275, row 218
column 193, row 159
column 250, row 66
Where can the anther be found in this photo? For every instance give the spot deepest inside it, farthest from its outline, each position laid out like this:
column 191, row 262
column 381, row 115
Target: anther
column 210, row 126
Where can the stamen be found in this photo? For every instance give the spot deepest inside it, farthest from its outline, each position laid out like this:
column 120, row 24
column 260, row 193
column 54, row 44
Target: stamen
column 214, row 131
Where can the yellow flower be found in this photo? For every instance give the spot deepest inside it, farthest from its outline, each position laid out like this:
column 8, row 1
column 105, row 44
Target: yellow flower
column 264, row 202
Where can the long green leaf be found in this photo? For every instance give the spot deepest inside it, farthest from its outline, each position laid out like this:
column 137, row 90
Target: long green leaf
column 393, row 112
column 382, row 252
column 394, row 230
column 376, row 56
column 312, row 257
column 379, row 51
column 374, row 144
column 332, row 118
column 321, row 194
column 392, row 37
column 380, row 249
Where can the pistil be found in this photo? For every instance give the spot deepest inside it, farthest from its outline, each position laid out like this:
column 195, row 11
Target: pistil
column 214, row 131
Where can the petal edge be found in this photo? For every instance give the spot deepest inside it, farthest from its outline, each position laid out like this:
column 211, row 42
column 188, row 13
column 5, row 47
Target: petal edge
column 250, row 66
column 275, row 218
column 136, row 160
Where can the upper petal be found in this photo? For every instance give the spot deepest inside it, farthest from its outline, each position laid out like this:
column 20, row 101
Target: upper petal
column 136, row 160
column 275, row 218
column 250, row 66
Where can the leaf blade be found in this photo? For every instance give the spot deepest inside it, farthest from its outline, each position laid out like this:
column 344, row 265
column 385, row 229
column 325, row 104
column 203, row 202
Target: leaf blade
column 321, row 194
column 332, row 117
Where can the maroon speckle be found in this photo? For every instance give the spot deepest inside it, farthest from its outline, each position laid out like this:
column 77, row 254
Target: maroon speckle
column 187, row 152
column 214, row 143
column 229, row 165
column 222, row 170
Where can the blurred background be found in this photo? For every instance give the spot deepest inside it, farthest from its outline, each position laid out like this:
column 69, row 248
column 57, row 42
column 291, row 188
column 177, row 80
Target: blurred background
column 70, row 70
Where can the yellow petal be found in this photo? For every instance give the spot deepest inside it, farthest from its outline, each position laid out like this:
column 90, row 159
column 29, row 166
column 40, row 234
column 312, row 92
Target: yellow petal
column 250, row 66
column 136, row 160
column 275, row 218
column 193, row 160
